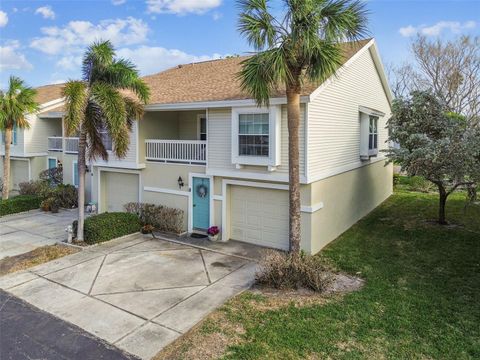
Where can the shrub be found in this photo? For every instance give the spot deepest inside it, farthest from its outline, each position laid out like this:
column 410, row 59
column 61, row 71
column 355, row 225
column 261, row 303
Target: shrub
column 161, row 217
column 283, row 271
column 108, row 226
column 65, row 196
column 419, row 183
column 18, row 204
column 33, row 187
column 396, row 179
column 53, row 176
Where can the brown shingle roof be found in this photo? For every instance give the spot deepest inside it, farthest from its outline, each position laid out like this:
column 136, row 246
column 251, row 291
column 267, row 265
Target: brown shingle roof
column 48, row 93
column 214, row 80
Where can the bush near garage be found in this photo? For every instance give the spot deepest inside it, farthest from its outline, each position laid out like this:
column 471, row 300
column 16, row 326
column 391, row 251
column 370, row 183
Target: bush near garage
column 53, row 196
column 161, row 217
column 19, row 203
column 108, row 226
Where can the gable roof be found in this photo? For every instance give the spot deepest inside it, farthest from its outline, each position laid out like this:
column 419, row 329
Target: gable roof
column 216, row 80
column 48, row 93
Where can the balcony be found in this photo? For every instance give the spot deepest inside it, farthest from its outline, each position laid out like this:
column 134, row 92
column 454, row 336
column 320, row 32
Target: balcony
column 55, row 143
column 71, row 145
column 193, row 152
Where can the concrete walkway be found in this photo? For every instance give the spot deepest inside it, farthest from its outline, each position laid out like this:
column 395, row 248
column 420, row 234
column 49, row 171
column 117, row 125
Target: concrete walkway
column 20, row 233
column 137, row 293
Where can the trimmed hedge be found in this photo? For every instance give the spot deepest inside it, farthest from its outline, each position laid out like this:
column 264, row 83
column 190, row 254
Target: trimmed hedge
column 108, row 226
column 18, row 204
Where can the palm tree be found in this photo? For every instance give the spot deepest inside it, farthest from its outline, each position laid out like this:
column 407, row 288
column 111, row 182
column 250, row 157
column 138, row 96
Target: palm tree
column 15, row 103
column 304, row 45
column 107, row 101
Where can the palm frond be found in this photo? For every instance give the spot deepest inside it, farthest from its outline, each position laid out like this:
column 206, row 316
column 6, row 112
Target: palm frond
column 113, row 108
column 324, row 58
column 95, row 124
column 134, row 111
column 257, row 24
column 262, row 73
column 76, row 97
column 343, row 20
column 123, row 74
column 15, row 103
column 97, row 57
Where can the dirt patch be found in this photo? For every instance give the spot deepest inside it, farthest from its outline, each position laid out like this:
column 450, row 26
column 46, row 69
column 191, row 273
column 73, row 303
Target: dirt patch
column 35, row 257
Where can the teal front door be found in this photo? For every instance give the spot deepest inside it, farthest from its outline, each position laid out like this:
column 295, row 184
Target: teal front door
column 52, row 163
column 201, row 203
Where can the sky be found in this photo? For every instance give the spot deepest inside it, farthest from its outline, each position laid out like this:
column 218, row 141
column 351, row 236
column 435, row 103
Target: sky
column 43, row 41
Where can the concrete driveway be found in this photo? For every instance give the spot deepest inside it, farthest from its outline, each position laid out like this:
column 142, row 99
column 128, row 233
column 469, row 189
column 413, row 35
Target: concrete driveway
column 27, row 231
column 137, row 293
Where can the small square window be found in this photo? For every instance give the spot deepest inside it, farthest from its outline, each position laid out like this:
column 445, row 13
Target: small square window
column 253, row 135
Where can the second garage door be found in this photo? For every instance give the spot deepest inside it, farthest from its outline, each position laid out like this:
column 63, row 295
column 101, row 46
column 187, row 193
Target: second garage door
column 119, row 189
column 259, row 216
column 18, row 173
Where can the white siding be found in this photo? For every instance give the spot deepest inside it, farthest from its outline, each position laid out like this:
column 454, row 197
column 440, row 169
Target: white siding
column 334, row 126
column 130, row 160
column 36, row 138
column 220, row 144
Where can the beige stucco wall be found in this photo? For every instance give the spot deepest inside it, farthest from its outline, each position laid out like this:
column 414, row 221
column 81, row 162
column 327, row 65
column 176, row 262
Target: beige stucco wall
column 346, row 198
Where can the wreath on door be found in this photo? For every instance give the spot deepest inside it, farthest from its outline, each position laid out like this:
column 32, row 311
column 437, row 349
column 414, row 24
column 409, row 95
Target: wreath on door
column 202, row 191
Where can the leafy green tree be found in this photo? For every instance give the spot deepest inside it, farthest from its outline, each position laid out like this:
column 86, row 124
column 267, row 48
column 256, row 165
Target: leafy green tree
column 15, row 103
column 109, row 98
column 441, row 146
column 303, row 45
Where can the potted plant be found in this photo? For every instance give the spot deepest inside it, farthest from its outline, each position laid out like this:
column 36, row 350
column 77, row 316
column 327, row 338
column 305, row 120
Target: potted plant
column 213, row 232
column 147, row 229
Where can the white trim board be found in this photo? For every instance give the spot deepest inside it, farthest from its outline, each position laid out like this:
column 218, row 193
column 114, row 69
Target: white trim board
column 166, row 191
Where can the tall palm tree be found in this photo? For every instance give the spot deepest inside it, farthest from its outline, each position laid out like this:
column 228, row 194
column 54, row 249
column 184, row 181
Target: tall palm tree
column 108, row 99
column 16, row 102
column 303, row 45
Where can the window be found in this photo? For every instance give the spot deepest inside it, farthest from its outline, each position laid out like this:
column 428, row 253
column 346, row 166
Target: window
column 75, row 174
column 203, row 128
column 253, row 135
column 106, row 140
column 373, row 133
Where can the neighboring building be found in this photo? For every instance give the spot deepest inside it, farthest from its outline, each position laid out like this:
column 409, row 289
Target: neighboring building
column 204, row 147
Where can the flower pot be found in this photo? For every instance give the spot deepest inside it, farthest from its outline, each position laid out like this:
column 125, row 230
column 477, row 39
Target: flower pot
column 213, row 237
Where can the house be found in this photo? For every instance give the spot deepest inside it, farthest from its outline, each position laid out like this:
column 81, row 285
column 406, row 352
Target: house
column 204, row 146
column 43, row 145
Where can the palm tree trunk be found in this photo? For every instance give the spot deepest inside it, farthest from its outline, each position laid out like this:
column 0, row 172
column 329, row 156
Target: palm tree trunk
column 293, row 111
column 82, row 145
column 6, row 163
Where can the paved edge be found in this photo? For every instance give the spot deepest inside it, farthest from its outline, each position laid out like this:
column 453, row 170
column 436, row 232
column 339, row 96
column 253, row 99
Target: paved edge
column 28, row 332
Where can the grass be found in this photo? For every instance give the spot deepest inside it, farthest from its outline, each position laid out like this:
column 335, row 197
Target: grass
column 35, row 257
column 420, row 300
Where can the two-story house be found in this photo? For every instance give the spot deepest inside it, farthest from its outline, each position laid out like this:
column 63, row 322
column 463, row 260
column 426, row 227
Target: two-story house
column 42, row 145
column 203, row 146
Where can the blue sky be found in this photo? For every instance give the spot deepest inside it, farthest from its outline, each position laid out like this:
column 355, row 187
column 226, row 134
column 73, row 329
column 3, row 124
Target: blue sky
column 42, row 41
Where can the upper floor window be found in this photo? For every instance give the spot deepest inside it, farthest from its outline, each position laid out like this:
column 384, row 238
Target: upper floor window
column 253, row 134
column 373, row 133
column 14, row 136
column 256, row 135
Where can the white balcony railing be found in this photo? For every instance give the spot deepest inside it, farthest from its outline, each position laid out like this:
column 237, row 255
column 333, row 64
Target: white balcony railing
column 55, row 143
column 177, row 151
column 71, row 145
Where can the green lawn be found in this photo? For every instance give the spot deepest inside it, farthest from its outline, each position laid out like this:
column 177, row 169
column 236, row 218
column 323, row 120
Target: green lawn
column 421, row 299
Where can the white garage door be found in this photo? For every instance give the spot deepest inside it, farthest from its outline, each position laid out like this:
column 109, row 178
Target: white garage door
column 18, row 173
column 119, row 189
column 259, row 216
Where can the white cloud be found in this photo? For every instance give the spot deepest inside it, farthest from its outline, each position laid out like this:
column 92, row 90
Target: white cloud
column 3, row 18
column 70, row 62
column 118, row 2
column 181, row 6
column 455, row 27
column 46, row 12
column 150, row 60
column 217, row 15
column 12, row 58
column 77, row 34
